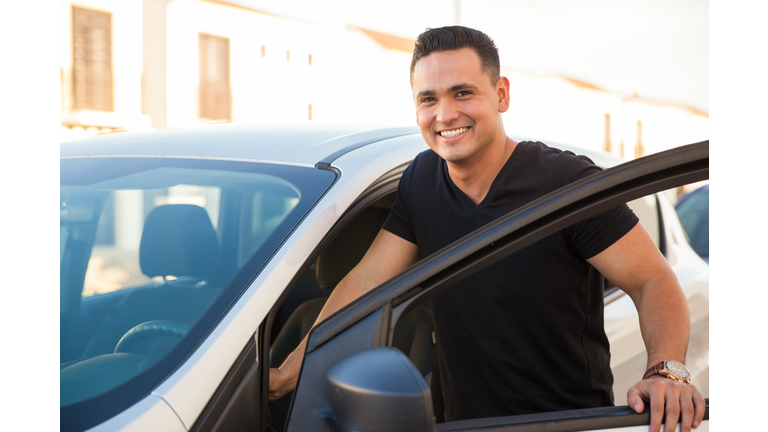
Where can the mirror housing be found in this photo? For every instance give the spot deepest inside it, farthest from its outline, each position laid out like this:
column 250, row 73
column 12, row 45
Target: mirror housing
column 379, row 390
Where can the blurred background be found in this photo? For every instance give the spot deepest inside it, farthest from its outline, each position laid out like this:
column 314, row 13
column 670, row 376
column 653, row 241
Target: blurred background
column 629, row 77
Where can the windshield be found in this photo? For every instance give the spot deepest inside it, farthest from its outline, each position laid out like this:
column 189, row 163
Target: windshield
column 152, row 252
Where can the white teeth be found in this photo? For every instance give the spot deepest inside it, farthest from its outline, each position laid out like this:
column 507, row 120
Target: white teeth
column 453, row 133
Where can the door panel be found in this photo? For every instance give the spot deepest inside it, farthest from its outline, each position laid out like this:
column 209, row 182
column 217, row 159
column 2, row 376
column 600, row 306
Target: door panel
column 310, row 410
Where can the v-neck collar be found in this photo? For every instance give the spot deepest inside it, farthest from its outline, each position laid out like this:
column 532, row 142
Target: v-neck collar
column 488, row 196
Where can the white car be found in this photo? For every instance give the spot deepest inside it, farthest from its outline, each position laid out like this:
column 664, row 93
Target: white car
column 193, row 258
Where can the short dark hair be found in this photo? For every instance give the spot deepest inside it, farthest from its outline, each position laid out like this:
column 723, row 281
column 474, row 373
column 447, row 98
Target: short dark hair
column 456, row 37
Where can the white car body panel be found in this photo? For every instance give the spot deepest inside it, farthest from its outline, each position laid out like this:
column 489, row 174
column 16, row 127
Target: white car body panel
column 150, row 413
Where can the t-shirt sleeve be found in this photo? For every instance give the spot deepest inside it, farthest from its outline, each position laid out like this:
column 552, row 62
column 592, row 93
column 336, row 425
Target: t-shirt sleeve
column 399, row 221
column 596, row 233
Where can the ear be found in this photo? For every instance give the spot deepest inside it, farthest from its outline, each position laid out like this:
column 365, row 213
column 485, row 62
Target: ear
column 502, row 90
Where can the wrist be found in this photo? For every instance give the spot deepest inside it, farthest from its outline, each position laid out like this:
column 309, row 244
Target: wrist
column 671, row 369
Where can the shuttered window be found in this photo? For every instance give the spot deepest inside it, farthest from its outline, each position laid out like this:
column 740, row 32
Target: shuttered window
column 91, row 59
column 215, row 95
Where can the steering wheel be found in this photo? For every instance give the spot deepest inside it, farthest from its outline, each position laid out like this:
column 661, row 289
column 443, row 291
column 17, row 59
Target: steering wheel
column 147, row 330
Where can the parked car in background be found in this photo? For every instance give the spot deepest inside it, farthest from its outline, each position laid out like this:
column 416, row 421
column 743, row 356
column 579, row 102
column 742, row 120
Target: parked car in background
column 693, row 210
column 193, row 259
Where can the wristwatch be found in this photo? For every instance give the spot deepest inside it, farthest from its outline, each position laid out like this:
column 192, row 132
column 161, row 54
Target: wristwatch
column 670, row 369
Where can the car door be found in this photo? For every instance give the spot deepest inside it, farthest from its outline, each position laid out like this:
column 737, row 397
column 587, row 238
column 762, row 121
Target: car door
column 370, row 322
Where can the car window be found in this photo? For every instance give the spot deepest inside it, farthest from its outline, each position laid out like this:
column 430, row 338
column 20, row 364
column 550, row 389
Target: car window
column 148, row 247
column 694, row 214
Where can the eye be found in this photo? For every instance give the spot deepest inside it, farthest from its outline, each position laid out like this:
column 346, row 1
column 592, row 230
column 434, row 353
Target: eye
column 463, row 93
column 428, row 100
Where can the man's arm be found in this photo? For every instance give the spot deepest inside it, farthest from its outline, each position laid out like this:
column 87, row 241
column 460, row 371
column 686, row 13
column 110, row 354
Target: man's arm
column 635, row 265
column 387, row 256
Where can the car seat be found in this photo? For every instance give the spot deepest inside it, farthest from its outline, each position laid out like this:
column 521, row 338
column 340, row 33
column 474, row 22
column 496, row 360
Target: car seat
column 178, row 240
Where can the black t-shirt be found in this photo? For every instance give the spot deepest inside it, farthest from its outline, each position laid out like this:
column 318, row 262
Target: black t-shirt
column 525, row 334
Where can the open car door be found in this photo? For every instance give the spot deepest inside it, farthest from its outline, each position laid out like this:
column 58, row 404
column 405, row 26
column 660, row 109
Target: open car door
column 352, row 379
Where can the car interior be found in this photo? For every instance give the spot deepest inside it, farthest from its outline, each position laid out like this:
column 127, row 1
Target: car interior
column 297, row 314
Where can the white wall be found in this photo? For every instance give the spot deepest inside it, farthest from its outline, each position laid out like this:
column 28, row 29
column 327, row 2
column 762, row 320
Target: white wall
column 552, row 108
column 351, row 78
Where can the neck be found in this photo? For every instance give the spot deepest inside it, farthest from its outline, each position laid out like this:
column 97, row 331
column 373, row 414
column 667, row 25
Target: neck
column 475, row 177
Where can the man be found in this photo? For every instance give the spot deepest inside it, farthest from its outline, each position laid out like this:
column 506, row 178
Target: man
column 525, row 334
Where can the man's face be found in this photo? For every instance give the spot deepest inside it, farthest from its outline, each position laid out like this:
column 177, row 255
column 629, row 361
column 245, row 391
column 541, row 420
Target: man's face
column 457, row 108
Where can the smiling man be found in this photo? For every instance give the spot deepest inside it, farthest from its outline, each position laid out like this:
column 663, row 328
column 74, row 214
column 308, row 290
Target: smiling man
column 525, row 334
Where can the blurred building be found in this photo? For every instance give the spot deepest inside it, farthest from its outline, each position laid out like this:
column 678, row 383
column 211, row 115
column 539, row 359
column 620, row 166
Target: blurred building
column 133, row 64
column 101, row 67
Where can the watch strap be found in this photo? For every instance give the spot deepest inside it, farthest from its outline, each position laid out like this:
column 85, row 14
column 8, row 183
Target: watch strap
column 653, row 370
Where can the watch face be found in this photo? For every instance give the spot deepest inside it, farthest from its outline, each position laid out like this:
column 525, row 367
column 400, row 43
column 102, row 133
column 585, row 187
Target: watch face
column 678, row 369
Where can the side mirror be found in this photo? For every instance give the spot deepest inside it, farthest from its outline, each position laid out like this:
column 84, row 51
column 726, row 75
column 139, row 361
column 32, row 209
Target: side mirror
column 379, row 390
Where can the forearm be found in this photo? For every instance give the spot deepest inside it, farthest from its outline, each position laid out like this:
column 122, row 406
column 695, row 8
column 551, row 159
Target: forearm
column 664, row 319
column 350, row 288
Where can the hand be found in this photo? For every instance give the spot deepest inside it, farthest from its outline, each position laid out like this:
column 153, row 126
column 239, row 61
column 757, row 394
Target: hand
column 280, row 383
column 670, row 397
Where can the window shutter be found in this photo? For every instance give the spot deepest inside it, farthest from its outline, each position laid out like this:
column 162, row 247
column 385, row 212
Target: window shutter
column 91, row 59
column 215, row 95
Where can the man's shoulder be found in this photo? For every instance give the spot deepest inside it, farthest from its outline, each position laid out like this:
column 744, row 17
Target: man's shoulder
column 424, row 164
column 547, row 168
column 427, row 156
column 552, row 155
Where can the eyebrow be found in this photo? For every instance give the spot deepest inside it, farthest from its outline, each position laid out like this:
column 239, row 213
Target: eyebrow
column 453, row 89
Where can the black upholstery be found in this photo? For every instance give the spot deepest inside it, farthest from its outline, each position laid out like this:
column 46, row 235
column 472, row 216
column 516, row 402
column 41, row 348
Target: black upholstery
column 296, row 327
column 179, row 240
column 348, row 248
column 413, row 336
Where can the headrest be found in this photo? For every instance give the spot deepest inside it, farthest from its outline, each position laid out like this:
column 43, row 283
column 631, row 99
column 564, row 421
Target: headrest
column 179, row 240
column 348, row 248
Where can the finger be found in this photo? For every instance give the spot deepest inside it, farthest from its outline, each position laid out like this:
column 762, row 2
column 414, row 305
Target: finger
column 635, row 399
column 672, row 404
column 686, row 410
column 657, row 389
column 700, row 408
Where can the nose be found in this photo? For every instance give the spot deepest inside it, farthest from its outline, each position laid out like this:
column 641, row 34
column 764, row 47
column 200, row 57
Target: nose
column 447, row 111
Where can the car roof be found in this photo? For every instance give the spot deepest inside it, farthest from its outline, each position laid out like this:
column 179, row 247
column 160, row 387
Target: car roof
column 299, row 144
column 291, row 144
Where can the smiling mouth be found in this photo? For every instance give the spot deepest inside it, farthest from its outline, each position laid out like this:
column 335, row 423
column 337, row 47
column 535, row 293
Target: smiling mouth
column 453, row 133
